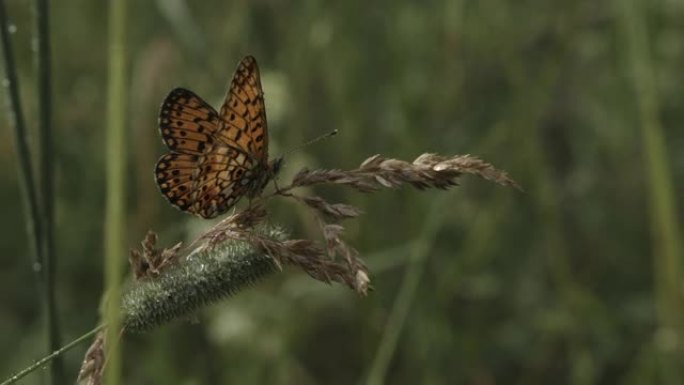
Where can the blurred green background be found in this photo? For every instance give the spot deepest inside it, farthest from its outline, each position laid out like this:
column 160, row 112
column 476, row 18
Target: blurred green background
column 575, row 281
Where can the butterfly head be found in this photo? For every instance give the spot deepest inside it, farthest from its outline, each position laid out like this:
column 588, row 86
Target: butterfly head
column 267, row 172
column 275, row 165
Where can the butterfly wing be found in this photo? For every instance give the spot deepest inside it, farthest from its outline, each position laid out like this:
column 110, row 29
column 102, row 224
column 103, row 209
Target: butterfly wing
column 224, row 177
column 205, row 185
column 176, row 176
column 243, row 114
column 216, row 158
column 187, row 123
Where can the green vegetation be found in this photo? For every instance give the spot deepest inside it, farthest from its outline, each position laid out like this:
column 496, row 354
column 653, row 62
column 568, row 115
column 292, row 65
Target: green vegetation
column 575, row 281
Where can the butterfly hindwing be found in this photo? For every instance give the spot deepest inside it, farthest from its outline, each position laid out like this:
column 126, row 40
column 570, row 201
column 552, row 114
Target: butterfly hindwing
column 187, row 123
column 223, row 179
column 176, row 176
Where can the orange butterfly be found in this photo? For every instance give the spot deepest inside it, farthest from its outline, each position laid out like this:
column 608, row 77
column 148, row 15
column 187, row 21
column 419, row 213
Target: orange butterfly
column 216, row 158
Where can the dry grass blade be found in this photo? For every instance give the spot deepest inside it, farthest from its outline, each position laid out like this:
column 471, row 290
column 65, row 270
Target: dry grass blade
column 336, row 260
column 151, row 261
column 335, row 211
column 426, row 171
column 356, row 274
column 93, row 364
column 467, row 164
column 248, row 218
column 301, row 253
column 298, row 252
column 307, row 177
column 234, row 226
column 331, row 233
column 337, row 246
column 311, row 258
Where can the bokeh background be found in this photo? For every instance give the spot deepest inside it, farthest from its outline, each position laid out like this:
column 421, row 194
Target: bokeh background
column 575, row 281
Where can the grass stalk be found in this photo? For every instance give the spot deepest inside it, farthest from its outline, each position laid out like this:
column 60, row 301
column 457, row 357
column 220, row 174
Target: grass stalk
column 43, row 62
column 26, row 177
column 407, row 292
column 52, row 356
column 667, row 249
column 115, row 203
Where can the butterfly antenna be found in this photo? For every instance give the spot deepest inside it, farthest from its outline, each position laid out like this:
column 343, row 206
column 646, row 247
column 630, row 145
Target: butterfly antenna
column 312, row 141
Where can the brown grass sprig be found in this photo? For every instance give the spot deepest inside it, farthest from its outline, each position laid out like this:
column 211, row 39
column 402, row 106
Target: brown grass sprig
column 242, row 248
column 233, row 227
column 150, row 261
column 302, row 253
column 334, row 211
column 427, row 170
column 312, row 258
column 94, row 361
column 377, row 172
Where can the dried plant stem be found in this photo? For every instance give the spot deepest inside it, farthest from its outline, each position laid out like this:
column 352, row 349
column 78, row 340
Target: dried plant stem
column 115, row 214
column 407, row 292
column 38, row 364
column 667, row 247
column 46, row 179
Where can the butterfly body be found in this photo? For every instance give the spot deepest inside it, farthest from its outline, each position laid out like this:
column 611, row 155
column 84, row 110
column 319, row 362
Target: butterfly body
column 216, row 158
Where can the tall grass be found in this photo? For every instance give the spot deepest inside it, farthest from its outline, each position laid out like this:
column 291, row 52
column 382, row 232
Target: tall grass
column 407, row 293
column 15, row 112
column 43, row 64
column 115, row 215
column 666, row 232
column 39, row 222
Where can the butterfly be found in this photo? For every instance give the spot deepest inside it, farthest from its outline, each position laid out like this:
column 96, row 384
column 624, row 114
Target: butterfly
column 215, row 158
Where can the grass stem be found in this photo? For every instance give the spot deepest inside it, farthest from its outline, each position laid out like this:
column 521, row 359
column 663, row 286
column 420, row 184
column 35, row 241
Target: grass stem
column 407, row 292
column 57, row 353
column 115, row 214
column 43, row 63
column 667, row 248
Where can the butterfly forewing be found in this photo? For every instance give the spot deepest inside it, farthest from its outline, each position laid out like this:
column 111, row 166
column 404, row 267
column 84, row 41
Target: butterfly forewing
column 187, row 123
column 216, row 158
column 243, row 114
